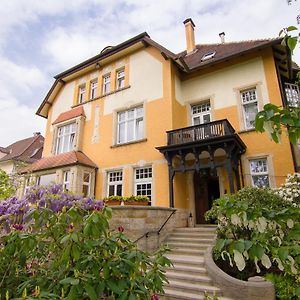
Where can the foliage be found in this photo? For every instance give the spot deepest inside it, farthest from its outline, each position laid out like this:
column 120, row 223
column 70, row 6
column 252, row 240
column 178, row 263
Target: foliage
column 131, row 198
column 273, row 118
column 66, row 251
column 258, row 230
column 287, row 287
column 7, row 185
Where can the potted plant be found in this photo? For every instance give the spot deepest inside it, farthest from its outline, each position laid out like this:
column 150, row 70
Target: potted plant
column 136, row 200
column 113, row 200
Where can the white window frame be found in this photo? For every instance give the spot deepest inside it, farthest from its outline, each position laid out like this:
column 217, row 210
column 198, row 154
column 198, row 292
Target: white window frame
column 66, row 137
column 115, row 179
column 106, row 84
column 143, row 176
column 27, row 184
column 81, row 93
column 247, row 100
column 124, row 118
column 292, row 93
column 87, row 183
column 200, row 111
column 93, row 88
column 265, row 172
column 66, row 180
column 44, row 175
column 120, row 78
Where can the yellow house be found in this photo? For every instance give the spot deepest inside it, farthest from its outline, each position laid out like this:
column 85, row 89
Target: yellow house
column 139, row 119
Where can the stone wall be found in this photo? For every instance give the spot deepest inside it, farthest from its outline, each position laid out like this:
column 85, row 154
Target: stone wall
column 138, row 220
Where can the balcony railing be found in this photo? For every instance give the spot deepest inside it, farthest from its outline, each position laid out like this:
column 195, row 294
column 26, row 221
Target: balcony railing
column 200, row 132
column 292, row 95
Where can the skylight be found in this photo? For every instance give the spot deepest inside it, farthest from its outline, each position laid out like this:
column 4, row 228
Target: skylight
column 208, row 55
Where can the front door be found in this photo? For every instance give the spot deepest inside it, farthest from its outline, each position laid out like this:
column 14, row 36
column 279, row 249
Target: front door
column 206, row 189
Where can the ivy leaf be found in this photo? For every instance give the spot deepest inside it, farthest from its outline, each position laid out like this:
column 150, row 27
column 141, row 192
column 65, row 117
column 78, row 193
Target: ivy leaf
column 292, row 42
column 291, row 28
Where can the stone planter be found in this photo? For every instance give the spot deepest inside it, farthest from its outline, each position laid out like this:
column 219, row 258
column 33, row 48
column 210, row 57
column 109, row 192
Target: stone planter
column 256, row 288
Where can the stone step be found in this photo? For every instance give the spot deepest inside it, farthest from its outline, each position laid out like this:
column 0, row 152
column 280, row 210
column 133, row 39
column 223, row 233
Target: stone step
column 196, row 230
column 188, row 251
column 175, row 245
column 171, row 294
column 190, row 269
column 178, row 285
column 188, row 240
column 194, row 235
column 186, row 260
column 186, row 277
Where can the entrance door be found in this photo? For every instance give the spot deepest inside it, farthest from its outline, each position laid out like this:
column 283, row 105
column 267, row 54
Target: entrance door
column 206, row 189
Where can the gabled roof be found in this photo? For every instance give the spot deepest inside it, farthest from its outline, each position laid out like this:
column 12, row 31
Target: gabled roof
column 222, row 52
column 60, row 160
column 70, row 114
column 26, row 150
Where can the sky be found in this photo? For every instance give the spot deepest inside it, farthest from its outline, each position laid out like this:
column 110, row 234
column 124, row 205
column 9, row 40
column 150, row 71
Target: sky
column 39, row 39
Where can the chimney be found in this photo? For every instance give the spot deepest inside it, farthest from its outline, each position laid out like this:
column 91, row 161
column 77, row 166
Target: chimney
column 222, row 36
column 189, row 35
column 36, row 133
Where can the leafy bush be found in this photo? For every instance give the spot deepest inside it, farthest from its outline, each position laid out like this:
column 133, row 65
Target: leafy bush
column 257, row 229
column 8, row 185
column 131, row 198
column 58, row 246
column 290, row 190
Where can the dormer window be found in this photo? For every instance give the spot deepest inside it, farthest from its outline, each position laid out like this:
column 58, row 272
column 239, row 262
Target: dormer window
column 81, row 94
column 208, row 56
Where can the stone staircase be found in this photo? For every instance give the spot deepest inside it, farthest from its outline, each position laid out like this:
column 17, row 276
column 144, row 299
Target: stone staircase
column 188, row 279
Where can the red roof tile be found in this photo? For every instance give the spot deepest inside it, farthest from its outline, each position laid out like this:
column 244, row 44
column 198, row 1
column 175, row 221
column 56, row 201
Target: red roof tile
column 60, row 160
column 70, row 114
column 27, row 150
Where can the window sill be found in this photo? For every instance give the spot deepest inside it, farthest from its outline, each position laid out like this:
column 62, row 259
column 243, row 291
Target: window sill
column 102, row 96
column 129, row 143
column 247, row 130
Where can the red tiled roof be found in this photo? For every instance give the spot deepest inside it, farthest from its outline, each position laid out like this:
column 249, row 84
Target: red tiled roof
column 27, row 150
column 60, row 160
column 222, row 51
column 70, row 114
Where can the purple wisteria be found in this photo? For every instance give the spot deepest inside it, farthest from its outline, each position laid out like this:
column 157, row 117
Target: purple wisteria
column 52, row 197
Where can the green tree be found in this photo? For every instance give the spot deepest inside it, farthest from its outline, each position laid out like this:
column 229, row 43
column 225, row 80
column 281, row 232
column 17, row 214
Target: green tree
column 7, row 186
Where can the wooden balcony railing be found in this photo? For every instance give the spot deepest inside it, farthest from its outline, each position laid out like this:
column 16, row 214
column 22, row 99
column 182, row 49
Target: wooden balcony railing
column 200, row 132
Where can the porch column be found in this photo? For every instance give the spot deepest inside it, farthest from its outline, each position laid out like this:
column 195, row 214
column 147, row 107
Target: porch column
column 228, row 167
column 171, row 188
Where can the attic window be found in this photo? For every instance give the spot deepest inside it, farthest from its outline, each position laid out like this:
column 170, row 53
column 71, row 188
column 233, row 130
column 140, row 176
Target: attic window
column 208, row 55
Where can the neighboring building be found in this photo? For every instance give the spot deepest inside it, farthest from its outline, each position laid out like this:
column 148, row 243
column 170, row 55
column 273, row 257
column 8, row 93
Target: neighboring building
column 139, row 119
column 21, row 153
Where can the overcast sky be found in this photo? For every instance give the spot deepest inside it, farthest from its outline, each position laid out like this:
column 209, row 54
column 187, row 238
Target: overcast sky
column 39, row 39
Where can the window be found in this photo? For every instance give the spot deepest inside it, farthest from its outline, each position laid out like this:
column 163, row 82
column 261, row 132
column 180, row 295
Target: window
column 27, row 185
column 66, row 180
column 86, row 184
column 292, row 95
column 115, row 182
column 259, row 172
column 201, row 113
column 93, row 89
column 65, row 138
column 120, row 79
column 46, row 179
column 81, row 94
column 130, row 125
column 250, row 107
column 106, row 84
column 208, row 56
column 143, row 182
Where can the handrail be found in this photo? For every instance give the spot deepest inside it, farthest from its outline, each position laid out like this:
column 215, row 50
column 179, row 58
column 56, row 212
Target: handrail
column 156, row 231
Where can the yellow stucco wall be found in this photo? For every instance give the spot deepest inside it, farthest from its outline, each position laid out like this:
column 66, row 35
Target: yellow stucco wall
column 166, row 97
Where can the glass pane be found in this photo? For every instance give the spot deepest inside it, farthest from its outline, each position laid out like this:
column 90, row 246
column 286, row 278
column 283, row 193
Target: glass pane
column 139, row 129
column 121, row 116
column 130, row 114
column 130, row 130
column 121, row 138
column 140, row 112
column 85, row 190
column 111, row 190
column 47, row 179
column 250, row 113
column 196, row 120
column 260, row 181
column 206, row 118
column 86, row 177
column 259, row 166
column 119, row 190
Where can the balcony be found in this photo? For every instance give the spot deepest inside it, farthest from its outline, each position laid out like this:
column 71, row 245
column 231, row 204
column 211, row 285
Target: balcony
column 200, row 133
